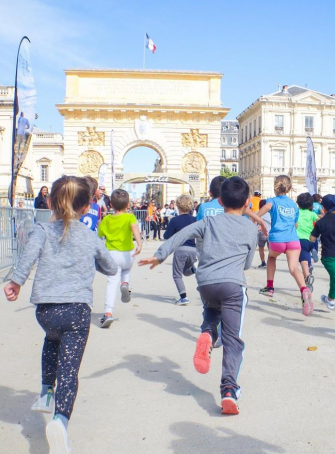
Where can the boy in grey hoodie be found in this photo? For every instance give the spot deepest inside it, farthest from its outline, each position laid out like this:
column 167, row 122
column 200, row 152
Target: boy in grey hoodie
column 229, row 243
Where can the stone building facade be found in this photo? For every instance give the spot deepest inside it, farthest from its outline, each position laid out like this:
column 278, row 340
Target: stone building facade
column 229, row 145
column 272, row 139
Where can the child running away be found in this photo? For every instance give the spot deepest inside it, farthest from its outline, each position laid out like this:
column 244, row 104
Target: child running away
column 283, row 239
column 66, row 251
column 306, row 222
column 118, row 229
column 325, row 227
column 185, row 257
column 229, row 243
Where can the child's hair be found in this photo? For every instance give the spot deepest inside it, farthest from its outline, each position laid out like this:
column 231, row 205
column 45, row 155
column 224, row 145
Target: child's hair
column 305, row 201
column 215, row 186
column 234, row 192
column 93, row 184
column 119, row 199
column 262, row 203
column 317, row 198
column 69, row 195
column 282, row 184
column 328, row 202
column 185, row 203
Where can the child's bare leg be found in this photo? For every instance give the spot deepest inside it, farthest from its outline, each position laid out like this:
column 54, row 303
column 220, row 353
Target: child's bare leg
column 271, row 265
column 305, row 268
column 261, row 254
column 293, row 265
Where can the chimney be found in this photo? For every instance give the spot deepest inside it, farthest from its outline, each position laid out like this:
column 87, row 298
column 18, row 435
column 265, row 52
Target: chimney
column 279, row 85
column 285, row 87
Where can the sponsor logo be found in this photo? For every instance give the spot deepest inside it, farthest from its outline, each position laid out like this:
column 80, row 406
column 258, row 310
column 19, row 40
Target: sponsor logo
column 213, row 211
column 286, row 211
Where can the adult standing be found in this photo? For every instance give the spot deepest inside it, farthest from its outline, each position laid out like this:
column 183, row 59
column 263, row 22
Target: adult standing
column 99, row 195
column 41, row 201
column 255, row 201
column 105, row 197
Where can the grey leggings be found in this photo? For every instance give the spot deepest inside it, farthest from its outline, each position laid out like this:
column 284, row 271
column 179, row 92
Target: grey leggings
column 183, row 261
column 67, row 328
column 225, row 303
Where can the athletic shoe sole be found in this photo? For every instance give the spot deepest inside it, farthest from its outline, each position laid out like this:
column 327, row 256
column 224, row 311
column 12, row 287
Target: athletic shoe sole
column 229, row 406
column 125, row 294
column 202, row 355
column 106, row 323
column 269, row 294
column 315, row 256
column 57, row 437
column 308, row 306
column 43, row 408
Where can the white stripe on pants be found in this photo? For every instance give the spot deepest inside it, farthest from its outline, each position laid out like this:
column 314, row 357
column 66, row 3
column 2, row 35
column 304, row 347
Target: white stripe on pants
column 124, row 261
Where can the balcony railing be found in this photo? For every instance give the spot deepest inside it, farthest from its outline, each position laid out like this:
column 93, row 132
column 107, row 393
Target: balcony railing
column 309, row 130
column 279, row 129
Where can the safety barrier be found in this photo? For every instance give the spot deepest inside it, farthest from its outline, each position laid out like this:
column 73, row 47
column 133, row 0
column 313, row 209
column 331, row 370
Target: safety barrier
column 15, row 226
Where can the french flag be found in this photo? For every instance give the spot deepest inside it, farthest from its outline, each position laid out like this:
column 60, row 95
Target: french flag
column 150, row 44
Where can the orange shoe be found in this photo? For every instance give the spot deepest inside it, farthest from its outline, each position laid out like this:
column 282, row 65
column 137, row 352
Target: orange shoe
column 202, row 355
column 228, row 402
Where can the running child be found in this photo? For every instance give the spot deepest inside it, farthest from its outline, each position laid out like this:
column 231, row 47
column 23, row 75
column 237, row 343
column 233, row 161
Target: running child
column 185, row 257
column 66, row 251
column 263, row 240
column 325, row 227
column 307, row 219
column 92, row 217
column 229, row 243
column 283, row 239
column 118, row 229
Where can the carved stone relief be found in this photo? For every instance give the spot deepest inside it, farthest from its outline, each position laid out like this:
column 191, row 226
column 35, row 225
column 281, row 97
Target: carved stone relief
column 89, row 162
column 91, row 137
column 194, row 163
column 194, row 139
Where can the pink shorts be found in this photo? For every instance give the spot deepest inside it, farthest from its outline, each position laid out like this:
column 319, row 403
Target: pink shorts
column 283, row 247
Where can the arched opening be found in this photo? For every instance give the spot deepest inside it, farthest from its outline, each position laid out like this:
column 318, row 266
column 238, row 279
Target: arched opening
column 143, row 159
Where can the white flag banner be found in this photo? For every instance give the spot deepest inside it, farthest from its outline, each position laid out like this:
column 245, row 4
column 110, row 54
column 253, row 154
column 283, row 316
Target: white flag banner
column 102, row 175
column 311, row 181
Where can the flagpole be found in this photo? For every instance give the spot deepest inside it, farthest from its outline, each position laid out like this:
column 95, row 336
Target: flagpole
column 144, row 50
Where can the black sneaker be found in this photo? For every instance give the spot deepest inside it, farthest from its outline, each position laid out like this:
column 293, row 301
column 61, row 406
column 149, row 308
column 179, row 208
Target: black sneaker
column 262, row 265
column 229, row 402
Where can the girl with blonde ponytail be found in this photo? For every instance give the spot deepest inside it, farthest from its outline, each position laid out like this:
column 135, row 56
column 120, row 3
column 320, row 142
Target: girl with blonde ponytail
column 66, row 251
column 283, row 239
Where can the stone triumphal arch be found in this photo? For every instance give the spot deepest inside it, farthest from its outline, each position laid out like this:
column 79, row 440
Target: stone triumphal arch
column 177, row 114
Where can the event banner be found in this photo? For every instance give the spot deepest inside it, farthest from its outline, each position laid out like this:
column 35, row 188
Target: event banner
column 102, row 175
column 24, row 110
column 311, row 181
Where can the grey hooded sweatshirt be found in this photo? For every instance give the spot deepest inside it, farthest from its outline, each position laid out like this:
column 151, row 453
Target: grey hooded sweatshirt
column 228, row 247
column 65, row 270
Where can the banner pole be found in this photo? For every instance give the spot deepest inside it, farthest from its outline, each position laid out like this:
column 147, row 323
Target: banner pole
column 112, row 161
column 15, row 112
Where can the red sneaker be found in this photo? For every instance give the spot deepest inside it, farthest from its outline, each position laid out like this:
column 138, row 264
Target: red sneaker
column 228, row 402
column 202, row 355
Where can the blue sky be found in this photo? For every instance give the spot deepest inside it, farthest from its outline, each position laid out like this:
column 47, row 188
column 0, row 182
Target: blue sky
column 255, row 44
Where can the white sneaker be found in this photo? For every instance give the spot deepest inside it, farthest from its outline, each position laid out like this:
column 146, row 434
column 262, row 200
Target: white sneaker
column 325, row 300
column 57, row 437
column 44, row 404
column 182, row 302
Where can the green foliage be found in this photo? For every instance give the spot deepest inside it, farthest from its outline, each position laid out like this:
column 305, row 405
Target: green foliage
column 226, row 172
